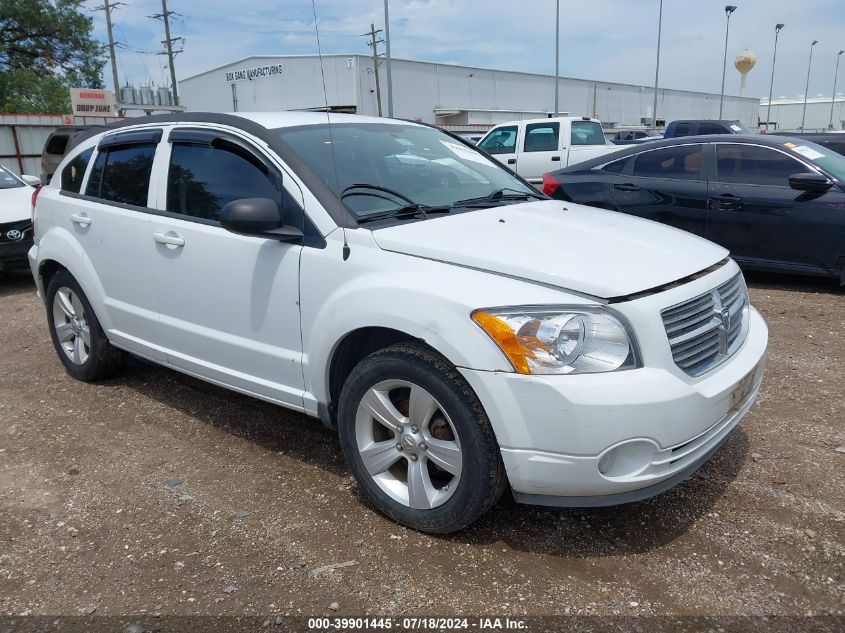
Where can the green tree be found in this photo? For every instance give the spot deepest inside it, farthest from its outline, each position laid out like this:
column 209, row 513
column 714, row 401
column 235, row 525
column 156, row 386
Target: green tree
column 46, row 47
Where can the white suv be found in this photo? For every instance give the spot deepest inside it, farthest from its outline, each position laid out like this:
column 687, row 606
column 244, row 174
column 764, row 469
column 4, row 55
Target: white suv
column 460, row 331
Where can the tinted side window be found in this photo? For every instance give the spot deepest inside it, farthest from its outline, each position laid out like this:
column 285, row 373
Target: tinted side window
column 500, row 141
column 754, row 165
column 73, row 174
column 122, row 174
column 712, row 128
column 56, row 144
column 682, row 129
column 541, row 137
column 202, row 180
column 678, row 163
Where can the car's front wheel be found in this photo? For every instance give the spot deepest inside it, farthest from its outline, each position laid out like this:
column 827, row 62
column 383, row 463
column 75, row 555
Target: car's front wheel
column 418, row 440
column 79, row 339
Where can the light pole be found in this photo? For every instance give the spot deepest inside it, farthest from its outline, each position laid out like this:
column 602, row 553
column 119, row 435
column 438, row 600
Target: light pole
column 387, row 60
column 728, row 10
column 833, row 98
column 778, row 27
column 807, row 87
column 657, row 66
column 557, row 55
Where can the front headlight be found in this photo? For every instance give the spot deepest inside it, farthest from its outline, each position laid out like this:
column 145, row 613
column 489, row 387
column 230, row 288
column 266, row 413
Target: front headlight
column 559, row 340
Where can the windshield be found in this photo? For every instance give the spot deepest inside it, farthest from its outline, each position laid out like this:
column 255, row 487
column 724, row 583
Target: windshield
column 423, row 164
column 826, row 159
column 8, row 180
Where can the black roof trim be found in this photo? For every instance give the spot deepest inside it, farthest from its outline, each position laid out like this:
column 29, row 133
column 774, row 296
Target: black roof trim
column 330, row 202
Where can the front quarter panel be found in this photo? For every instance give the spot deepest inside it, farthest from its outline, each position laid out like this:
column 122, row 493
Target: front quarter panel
column 426, row 299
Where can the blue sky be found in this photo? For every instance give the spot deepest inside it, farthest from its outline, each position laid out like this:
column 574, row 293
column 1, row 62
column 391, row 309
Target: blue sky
column 606, row 40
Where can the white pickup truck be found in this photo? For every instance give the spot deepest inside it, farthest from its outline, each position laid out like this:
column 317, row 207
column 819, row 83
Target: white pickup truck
column 537, row 146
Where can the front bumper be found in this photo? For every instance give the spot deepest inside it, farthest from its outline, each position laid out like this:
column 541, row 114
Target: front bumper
column 13, row 254
column 603, row 439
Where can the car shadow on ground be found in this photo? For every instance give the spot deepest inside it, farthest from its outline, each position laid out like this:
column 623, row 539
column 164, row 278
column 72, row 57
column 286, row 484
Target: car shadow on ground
column 794, row 283
column 620, row 530
column 16, row 283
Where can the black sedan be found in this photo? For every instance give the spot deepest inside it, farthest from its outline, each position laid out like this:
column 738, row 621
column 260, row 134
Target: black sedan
column 777, row 203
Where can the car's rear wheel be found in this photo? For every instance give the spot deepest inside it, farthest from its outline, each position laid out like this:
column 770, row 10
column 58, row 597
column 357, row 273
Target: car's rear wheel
column 79, row 339
column 418, row 441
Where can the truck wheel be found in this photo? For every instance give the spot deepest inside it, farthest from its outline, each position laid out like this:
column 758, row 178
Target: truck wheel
column 418, row 441
column 79, row 340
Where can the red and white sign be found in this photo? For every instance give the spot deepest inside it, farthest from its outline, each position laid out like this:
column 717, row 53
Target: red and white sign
column 90, row 102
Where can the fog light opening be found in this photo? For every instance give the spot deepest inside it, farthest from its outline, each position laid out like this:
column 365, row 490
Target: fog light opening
column 628, row 459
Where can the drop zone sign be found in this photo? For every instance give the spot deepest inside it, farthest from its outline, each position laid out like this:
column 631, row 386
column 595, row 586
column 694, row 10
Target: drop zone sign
column 89, row 102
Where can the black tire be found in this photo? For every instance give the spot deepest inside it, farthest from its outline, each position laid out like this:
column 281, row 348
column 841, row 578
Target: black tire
column 103, row 359
column 482, row 478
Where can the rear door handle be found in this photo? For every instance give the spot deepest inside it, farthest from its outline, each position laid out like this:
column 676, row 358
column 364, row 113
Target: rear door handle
column 511, row 161
column 729, row 198
column 171, row 239
column 626, row 186
column 80, row 218
column 556, row 158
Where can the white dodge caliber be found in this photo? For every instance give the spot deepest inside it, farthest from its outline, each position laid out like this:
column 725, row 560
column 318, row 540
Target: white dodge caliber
column 463, row 333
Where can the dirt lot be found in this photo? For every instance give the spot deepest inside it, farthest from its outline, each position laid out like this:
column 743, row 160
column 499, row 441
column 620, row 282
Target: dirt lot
column 154, row 493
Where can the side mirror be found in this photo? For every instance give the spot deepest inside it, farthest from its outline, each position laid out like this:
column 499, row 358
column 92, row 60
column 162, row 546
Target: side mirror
column 259, row 217
column 32, row 181
column 813, row 183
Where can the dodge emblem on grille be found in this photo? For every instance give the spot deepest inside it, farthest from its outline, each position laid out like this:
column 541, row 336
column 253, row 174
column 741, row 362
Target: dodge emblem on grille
column 14, row 235
column 725, row 315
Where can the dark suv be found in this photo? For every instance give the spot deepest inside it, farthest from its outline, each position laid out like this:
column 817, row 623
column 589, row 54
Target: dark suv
column 694, row 127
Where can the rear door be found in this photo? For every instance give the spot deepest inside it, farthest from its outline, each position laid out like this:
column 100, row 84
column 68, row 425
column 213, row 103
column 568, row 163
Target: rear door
column 229, row 304
column 501, row 142
column 666, row 185
column 763, row 221
column 111, row 222
column 540, row 151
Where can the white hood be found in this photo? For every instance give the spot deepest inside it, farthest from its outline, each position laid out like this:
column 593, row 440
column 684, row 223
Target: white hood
column 571, row 246
column 15, row 204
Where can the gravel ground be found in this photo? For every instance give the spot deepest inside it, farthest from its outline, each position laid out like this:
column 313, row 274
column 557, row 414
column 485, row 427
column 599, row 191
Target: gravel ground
column 153, row 493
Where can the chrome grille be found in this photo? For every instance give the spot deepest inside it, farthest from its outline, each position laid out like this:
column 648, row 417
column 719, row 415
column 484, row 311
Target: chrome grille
column 706, row 330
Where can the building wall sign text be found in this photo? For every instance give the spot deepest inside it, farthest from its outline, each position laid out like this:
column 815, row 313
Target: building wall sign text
column 257, row 72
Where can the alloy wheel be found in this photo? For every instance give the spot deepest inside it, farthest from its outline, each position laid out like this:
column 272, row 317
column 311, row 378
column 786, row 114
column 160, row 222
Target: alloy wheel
column 408, row 444
column 71, row 325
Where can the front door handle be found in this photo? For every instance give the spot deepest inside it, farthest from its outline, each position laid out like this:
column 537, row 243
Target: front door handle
column 626, row 186
column 81, row 219
column 171, row 239
column 556, row 158
column 511, row 161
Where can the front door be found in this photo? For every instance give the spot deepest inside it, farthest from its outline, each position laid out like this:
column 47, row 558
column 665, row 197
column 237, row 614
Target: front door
column 228, row 304
column 501, row 143
column 666, row 185
column 763, row 221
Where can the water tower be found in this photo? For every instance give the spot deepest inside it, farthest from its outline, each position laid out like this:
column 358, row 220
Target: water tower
column 744, row 62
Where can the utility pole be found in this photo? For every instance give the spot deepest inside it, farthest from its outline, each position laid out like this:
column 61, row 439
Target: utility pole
column 107, row 7
column 374, row 45
column 168, row 45
column 387, row 59
column 557, row 58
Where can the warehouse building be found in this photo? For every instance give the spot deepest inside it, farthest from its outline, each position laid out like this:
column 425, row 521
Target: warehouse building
column 822, row 113
column 444, row 94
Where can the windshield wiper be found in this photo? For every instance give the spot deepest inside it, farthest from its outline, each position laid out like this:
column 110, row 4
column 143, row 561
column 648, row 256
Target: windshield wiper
column 500, row 195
